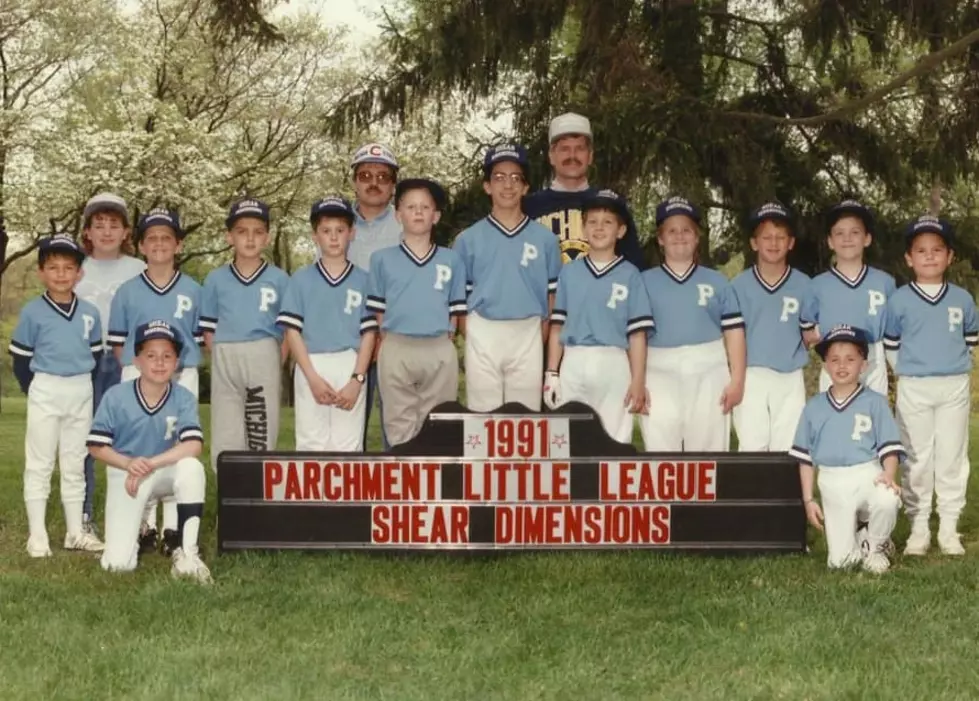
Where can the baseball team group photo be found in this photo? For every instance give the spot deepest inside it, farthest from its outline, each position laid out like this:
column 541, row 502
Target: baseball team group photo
column 362, row 358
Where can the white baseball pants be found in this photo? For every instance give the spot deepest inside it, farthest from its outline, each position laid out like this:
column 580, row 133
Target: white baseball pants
column 849, row 494
column 504, row 362
column 184, row 481
column 875, row 377
column 685, row 386
column 59, row 417
column 599, row 376
column 768, row 416
column 933, row 415
column 326, row 428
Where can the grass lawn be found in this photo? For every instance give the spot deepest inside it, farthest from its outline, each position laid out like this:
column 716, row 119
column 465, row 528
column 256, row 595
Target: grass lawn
column 556, row 626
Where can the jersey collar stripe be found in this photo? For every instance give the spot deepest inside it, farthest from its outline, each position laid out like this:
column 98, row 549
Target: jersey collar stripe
column 939, row 296
column 55, row 306
column 593, row 269
column 334, row 281
column 160, row 290
column 248, row 279
column 505, row 231
column 841, row 406
column 856, row 282
column 144, row 405
column 415, row 259
column 679, row 278
column 771, row 289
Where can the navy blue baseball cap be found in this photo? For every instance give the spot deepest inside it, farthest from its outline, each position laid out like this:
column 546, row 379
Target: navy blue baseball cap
column 248, row 207
column 434, row 189
column 59, row 243
column 160, row 216
column 154, row 330
column 930, row 224
column 607, row 199
column 844, row 333
column 512, row 153
column 773, row 212
column 331, row 206
column 852, row 208
column 676, row 205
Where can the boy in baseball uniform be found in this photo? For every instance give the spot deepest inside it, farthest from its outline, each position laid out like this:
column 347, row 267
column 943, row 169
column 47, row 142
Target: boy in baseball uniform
column 417, row 290
column 850, row 436
column 771, row 295
column 933, row 327
column 148, row 434
column 159, row 292
column 512, row 266
column 331, row 336
column 597, row 349
column 56, row 347
column 851, row 292
column 239, row 306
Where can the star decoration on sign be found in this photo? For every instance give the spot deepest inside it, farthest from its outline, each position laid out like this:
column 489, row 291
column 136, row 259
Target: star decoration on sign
column 474, row 440
column 559, row 440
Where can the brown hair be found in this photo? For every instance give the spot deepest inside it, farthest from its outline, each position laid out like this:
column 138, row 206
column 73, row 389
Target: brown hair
column 126, row 248
column 696, row 251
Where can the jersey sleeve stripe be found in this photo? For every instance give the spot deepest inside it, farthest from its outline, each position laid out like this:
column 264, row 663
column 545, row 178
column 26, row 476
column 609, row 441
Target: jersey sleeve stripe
column 116, row 338
column 892, row 342
column 192, row 433
column 95, row 345
column 21, row 350
column 377, row 304
column 729, row 322
column 639, row 324
column 208, row 324
column 972, row 339
column 558, row 316
column 458, row 308
column 890, row 449
column 469, row 287
column 800, row 454
column 293, row 321
column 807, row 325
column 98, row 438
column 552, row 285
column 368, row 323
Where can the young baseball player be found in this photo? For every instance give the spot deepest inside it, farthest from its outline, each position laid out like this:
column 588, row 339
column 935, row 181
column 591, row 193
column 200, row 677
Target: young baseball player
column 852, row 292
column 417, row 289
column 106, row 240
column 331, row 335
column 597, row 349
column 695, row 368
column 848, row 433
column 239, row 307
column 160, row 292
column 771, row 295
column 148, row 434
column 56, row 347
column 933, row 327
column 512, row 266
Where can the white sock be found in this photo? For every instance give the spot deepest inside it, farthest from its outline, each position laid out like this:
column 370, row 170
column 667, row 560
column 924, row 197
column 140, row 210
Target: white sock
column 170, row 519
column 36, row 514
column 192, row 528
column 73, row 518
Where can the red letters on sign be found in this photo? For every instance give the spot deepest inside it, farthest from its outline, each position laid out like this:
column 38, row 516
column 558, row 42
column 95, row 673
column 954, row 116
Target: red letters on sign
column 397, row 524
column 658, row 481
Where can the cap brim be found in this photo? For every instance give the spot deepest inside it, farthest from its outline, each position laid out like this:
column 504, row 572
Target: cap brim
column 434, row 189
column 488, row 167
column 141, row 230
column 339, row 212
column 177, row 345
column 374, row 159
column 822, row 348
column 105, row 208
column 863, row 215
column 76, row 253
column 617, row 206
column 230, row 221
column 777, row 218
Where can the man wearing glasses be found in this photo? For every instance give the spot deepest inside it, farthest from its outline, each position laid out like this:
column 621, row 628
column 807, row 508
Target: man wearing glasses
column 558, row 207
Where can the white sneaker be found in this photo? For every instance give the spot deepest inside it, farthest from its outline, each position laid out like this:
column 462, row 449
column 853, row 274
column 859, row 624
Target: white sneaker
column 950, row 543
column 38, row 548
column 84, row 541
column 863, row 540
column 876, row 563
column 918, row 542
column 190, row 565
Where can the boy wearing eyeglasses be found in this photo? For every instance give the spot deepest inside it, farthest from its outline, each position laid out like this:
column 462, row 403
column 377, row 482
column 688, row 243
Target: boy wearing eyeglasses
column 512, row 266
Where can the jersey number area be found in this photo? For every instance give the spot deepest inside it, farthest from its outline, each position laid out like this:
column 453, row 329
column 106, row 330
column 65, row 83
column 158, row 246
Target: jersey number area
column 506, row 481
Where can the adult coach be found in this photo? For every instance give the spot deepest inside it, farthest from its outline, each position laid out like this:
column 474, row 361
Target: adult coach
column 558, row 207
column 375, row 175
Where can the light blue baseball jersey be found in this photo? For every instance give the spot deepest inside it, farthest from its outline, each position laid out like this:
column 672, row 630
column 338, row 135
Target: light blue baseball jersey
column 417, row 295
column 837, row 300
column 330, row 313
column 772, row 318
column 600, row 307
column 857, row 430
column 509, row 273
column 238, row 308
column 692, row 308
column 139, row 301
column 59, row 340
column 129, row 425
column 933, row 335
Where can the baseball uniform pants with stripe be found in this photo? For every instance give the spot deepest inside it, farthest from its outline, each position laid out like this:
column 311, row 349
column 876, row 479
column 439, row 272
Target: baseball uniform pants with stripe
column 504, row 362
column 321, row 427
column 767, row 418
column 599, row 376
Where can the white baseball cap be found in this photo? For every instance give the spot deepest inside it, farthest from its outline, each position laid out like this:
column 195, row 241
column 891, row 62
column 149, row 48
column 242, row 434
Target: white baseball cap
column 569, row 124
column 374, row 153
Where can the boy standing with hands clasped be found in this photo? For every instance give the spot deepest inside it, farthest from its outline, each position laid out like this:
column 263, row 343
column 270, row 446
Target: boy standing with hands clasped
column 848, row 433
column 933, row 327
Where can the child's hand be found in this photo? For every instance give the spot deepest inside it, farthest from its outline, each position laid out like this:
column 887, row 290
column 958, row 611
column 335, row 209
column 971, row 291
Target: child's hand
column 731, row 396
column 810, row 337
column 637, row 398
column 888, row 481
column 814, row 514
column 322, row 392
column 347, row 396
column 137, row 468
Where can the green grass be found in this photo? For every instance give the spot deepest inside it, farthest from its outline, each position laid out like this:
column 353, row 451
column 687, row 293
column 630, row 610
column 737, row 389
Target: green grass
column 556, row 626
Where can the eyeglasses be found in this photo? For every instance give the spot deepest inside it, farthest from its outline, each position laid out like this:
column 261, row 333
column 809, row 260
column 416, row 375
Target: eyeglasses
column 514, row 178
column 366, row 176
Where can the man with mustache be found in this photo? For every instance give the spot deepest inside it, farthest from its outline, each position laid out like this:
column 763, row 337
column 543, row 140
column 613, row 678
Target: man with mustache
column 558, row 207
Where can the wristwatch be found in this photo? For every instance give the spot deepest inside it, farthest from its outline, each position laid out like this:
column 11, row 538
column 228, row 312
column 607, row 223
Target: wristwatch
column 360, row 377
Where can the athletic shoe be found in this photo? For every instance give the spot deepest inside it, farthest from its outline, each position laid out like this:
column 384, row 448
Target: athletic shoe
column 876, row 563
column 950, row 543
column 38, row 548
column 84, row 541
column 863, row 539
column 88, row 526
column 147, row 540
column 190, row 565
column 170, row 542
column 918, row 542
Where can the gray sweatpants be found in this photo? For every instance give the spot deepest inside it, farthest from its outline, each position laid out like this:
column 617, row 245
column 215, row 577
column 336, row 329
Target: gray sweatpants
column 246, row 389
column 413, row 376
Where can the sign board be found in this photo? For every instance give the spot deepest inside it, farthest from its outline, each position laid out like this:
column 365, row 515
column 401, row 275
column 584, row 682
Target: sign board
column 511, row 480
